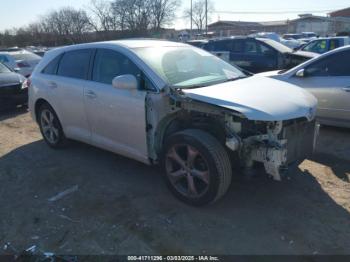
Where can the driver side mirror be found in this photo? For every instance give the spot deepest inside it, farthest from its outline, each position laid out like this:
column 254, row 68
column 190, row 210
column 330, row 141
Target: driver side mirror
column 16, row 70
column 301, row 73
column 125, row 82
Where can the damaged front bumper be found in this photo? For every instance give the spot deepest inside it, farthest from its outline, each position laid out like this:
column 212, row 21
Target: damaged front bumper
column 286, row 142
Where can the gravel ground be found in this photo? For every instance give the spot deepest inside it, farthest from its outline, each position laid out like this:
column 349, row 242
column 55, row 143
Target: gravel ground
column 123, row 207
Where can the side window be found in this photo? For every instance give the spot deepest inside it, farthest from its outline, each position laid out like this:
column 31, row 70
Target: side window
column 237, row 46
column 319, row 46
column 223, row 45
column 251, row 47
column 334, row 43
column 266, row 50
column 334, row 65
column 3, row 59
column 75, row 64
column 51, row 68
column 109, row 64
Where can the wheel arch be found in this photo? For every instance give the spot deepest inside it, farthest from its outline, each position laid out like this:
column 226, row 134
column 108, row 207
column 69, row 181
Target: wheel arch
column 38, row 103
column 188, row 120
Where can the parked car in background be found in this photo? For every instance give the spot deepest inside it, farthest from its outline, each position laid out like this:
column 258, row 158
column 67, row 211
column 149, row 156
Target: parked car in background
column 13, row 88
column 21, row 61
column 309, row 35
column 293, row 36
column 175, row 104
column 256, row 54
column 323, row 45
column 291, row 43
column 328, row 78
column 197, row 43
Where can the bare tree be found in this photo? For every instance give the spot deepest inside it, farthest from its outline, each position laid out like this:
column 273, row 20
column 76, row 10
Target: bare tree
column 67, row 22
column 103, row 16
column 134, row 15
column 198, row 13
column 163, row 12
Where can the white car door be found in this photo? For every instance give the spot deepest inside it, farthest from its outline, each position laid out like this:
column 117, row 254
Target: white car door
column 117, row 117
column 65, row 87
column 329, row 80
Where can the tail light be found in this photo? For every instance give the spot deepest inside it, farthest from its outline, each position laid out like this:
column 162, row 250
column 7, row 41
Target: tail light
column 23, row 64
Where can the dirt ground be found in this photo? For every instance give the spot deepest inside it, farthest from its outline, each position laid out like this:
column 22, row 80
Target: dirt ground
column 123, row 207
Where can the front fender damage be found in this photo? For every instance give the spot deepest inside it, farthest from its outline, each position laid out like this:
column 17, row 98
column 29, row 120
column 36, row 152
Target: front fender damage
column 275, row 144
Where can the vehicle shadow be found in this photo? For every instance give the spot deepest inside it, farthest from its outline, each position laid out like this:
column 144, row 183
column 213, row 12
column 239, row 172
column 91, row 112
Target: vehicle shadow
column 123, row 207
column 333, row 151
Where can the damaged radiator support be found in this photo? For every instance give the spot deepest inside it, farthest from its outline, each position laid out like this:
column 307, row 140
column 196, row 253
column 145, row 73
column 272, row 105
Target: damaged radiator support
column 272, row 149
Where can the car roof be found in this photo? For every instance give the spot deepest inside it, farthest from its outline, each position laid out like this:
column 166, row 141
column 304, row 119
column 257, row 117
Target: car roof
column 128, row 43
column 331, row 37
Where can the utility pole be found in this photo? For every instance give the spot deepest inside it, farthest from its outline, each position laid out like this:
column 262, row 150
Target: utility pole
column 191, row 19
column 206, row 18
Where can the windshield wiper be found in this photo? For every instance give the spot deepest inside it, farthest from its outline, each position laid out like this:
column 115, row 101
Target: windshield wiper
column 235, row 78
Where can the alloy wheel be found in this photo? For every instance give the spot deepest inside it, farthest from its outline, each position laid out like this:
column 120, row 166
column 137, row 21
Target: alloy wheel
column 49, row 126
column 187, row 170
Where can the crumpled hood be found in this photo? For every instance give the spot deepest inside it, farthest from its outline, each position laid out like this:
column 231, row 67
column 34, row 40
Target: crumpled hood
column 259, row 98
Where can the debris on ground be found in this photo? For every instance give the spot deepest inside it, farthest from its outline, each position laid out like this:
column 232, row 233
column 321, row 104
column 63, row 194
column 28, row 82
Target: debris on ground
column 64, row 193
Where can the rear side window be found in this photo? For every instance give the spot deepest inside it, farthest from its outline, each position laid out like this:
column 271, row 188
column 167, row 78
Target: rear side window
column 109, row 64
column 75, row 64
column 51, row 68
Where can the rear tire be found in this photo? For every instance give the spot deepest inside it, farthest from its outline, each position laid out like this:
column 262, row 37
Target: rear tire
column 50, row 127
column 197, row 167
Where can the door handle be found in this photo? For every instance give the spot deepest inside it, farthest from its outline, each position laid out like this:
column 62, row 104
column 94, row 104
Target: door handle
column 90, row 94
column 52, row 85
column 346, row 89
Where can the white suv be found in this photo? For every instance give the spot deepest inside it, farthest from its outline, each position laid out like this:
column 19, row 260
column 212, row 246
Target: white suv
column 174, row 104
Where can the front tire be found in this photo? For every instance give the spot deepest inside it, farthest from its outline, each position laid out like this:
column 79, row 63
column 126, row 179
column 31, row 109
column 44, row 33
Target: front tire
column 50, row 127
column 197, row 167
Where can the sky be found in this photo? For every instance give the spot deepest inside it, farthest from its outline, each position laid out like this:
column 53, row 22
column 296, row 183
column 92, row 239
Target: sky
column 17, row 13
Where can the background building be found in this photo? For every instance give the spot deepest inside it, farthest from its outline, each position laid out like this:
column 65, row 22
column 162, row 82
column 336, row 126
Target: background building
column 336, row 22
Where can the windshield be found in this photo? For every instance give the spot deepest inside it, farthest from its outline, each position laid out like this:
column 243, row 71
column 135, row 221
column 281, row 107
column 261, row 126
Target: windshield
column 26, row 56
column 188, row 67
column 4, row 69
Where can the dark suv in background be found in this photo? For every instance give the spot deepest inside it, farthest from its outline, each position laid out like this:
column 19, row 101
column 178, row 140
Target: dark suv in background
column 256, row 54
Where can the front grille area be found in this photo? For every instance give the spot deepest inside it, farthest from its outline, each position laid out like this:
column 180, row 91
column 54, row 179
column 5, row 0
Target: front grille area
column 300, row 135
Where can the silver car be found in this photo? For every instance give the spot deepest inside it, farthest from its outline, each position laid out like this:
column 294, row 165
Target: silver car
column 327, row 77
column 22, row 61
column 172, row 104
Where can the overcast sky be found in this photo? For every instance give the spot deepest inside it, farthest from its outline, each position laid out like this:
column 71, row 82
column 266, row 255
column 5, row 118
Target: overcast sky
column 16, row 13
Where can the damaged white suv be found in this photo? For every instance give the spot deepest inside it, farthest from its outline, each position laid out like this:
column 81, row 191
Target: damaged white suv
column 174, row 104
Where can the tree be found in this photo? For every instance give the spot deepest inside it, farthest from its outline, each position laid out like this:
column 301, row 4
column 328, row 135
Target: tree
column 103, row 16
column 198, row 13
column 68, row 23
column 163, row 12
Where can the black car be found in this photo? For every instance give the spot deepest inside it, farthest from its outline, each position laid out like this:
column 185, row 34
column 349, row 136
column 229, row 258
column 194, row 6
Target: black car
column 256, row 54
column 13, row 88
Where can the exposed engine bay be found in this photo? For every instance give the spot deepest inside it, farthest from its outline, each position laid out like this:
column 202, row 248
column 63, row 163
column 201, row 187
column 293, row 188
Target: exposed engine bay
column 275, row 144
